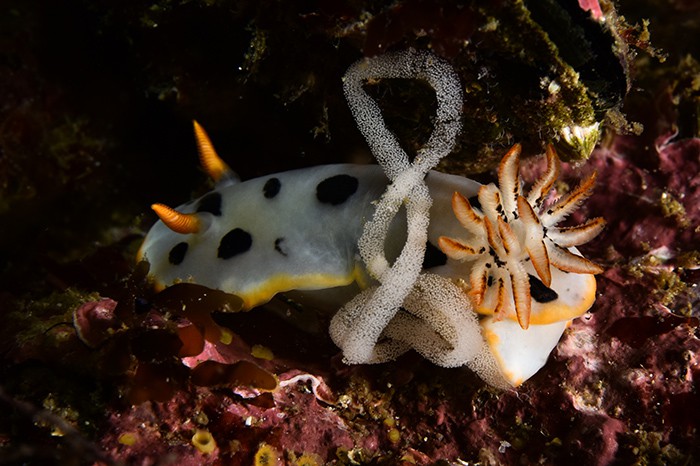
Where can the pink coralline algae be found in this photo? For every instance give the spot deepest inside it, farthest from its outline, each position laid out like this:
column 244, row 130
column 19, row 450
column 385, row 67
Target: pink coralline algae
column 666, row 192
column 593, row 6
column 635, row 358
column 297, row 415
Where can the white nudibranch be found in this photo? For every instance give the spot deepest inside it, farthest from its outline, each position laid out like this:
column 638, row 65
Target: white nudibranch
column 406, row 257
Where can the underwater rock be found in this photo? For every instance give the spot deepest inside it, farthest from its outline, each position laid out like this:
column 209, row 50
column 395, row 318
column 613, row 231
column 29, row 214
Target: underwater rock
column 95, row 321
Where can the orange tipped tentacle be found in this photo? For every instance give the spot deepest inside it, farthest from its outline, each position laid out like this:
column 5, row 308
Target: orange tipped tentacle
column 176, row 221
column 508, row 180
column 567, row 261
column 210, row 160
column 499, row 311
column 478, row 280
column 521, row 294
column 511, row 245
column 534, row 241
column 455, row 249
column 544, row 184
column 493, row 238
column 540, row 261
column 575, row 236
column 465, row 214
column 491, row 202
column 569, row 203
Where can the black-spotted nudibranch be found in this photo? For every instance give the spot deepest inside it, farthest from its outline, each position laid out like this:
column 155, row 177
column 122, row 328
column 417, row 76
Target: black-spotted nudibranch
column 296, row 230
column 515, row 276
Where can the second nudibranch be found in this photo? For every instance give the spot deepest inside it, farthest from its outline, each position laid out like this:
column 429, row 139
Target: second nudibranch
column 299, row 230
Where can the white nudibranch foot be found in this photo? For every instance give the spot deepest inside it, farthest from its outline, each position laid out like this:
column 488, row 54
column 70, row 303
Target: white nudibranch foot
column 464, row 274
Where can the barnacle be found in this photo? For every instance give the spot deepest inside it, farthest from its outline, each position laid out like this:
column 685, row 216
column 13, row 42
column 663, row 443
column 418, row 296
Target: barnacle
column 508, row 229
column 204, row 441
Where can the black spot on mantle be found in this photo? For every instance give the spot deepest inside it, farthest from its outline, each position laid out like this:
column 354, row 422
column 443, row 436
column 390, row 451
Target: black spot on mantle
column 278, row 246
column 234, row 242
column 272, row 188
column 177, row 253
column 336, row 189
column 540, row 292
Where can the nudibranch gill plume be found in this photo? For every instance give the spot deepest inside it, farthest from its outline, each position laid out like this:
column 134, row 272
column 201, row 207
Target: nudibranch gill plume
column 509, row 230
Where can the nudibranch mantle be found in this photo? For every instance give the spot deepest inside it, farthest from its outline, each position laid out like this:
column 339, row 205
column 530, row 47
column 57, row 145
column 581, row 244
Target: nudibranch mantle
column 296, row 230
column 463, row 273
